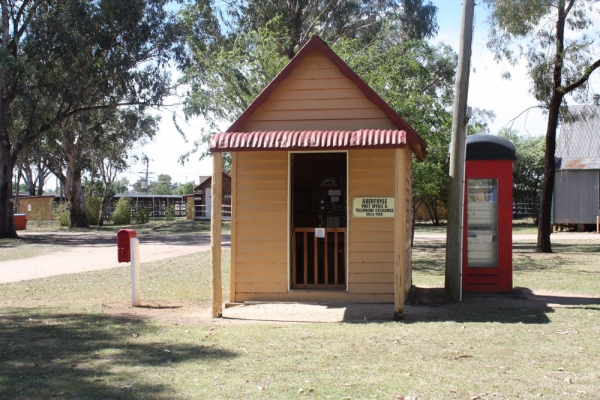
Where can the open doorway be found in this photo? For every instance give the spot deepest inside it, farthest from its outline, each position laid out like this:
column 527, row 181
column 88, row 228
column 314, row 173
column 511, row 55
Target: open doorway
column 318, row 220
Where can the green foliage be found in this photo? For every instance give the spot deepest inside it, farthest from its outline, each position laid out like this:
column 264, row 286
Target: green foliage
column 142, row 216
column 62, row 214
column 170, row 213
column 186, row 188
column 417, row 80
column 235, row 55
column 162, row 185
column 92, row 207
column 63, row 59
column 528, row 168
column 122, row 213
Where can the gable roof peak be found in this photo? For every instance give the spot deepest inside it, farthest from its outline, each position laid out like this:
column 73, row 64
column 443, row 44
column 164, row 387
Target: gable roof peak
column 315, row 43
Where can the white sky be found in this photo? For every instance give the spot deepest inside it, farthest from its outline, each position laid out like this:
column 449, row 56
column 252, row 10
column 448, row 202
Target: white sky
column 487, row 90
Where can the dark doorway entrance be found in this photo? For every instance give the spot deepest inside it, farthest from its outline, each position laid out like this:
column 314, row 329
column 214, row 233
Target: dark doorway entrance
column 318, row 220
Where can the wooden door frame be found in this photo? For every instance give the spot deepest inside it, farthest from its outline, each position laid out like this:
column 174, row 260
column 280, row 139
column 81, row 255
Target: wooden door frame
column 289, row 216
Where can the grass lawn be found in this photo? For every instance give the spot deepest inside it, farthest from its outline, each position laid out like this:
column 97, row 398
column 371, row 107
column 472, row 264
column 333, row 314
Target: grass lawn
column 178, row 226
column 61, row 337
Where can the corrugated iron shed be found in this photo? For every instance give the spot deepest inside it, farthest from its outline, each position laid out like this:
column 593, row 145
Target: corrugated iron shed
column 308, row 140
column 578, row 144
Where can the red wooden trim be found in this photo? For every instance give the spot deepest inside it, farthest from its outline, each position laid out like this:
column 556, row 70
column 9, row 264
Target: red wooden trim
column 417, row 143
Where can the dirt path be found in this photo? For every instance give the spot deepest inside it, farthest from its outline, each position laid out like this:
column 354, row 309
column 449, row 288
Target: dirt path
column 82, row 252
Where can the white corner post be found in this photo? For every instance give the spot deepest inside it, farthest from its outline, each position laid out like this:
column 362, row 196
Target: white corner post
column 134, row 248
column 215, row 235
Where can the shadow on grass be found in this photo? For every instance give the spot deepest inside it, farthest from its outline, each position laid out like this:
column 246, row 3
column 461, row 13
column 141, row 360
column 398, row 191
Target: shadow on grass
column 522, row 305
column 86, row 356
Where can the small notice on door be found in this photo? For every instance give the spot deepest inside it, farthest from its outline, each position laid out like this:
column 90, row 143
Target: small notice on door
column 373, row 207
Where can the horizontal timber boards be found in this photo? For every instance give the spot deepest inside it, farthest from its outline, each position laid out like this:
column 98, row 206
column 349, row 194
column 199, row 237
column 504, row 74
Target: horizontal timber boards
column 375, row 247
column 278, row 235
column 308, row 125
column 263, row 195
column 270, row 185
column 255, row 287
column 370, row 174
column 369, row 237
column 371, row 288
column 331, row 83
column 366, row 187
column 355, row 257
column 317, row 104
column 375, row 268
column 247, row 277
column 316, row 73
column 263, row 156
column 271, row 216
column 247, row 229
column 333, row 112
column 261, row 268
column 252, row 206
column 261, row 247
column 317, row 296
column 373, row 225
column 261, row 165
column 371, row 278
column 266, row 257
column 257, row 170
column 316, row 94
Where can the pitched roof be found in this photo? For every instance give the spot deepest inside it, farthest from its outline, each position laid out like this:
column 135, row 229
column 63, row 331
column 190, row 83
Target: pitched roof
column 578, row 143
column 416, row 143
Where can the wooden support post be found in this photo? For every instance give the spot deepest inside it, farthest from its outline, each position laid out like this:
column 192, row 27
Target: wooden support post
column 452, row 285
column 134, row 252
column 399, row 234
column 215, row 235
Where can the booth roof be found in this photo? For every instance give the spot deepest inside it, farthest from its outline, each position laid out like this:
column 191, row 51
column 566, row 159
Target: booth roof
column 308, row 140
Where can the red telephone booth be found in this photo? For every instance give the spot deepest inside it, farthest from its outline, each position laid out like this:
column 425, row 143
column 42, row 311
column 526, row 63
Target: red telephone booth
column 487, row 232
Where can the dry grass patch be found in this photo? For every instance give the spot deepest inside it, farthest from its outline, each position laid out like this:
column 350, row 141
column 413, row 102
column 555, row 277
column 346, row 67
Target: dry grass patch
column 75, row 337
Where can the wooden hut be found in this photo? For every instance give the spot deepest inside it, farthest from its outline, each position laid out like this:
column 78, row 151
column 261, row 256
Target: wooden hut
column 202, row 197
column 321, row 190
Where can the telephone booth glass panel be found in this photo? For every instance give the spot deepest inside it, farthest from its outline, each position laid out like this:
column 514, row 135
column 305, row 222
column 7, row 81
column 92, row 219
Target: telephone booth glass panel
column 482, row 223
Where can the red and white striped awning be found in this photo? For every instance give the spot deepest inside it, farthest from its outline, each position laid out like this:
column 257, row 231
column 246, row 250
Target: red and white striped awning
column 308, row 140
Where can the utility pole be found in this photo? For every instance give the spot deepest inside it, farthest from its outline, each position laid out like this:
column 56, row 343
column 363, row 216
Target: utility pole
column 452, row 286
column 146, row 184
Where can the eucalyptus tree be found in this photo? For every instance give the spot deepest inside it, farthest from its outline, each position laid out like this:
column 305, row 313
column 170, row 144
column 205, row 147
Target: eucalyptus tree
column 112, row 149
column 235, row 52
column 560, row 46
column 62, row 59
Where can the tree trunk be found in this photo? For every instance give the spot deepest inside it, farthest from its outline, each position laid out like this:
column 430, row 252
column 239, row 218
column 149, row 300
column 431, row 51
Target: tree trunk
column 544, row 227
column 75, row 196
column 103, row 206
column 545, row 217
column 7, row 164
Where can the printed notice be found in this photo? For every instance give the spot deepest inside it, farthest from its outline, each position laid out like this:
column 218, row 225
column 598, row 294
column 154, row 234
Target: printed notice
column 373, row 207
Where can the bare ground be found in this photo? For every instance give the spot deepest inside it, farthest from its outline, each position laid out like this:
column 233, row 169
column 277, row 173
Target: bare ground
column 80, row 252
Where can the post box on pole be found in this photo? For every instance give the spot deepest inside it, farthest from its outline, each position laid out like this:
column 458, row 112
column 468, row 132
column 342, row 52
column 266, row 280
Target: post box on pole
column 128, row 250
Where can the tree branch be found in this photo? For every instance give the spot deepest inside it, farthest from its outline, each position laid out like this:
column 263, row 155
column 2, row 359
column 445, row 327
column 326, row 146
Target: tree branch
column 583, row 79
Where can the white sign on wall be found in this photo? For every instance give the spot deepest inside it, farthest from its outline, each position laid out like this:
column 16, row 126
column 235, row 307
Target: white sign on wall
column 373, row 207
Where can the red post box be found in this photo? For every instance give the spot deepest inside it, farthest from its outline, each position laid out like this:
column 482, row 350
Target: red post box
column 124, row 237
column 487, row 234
